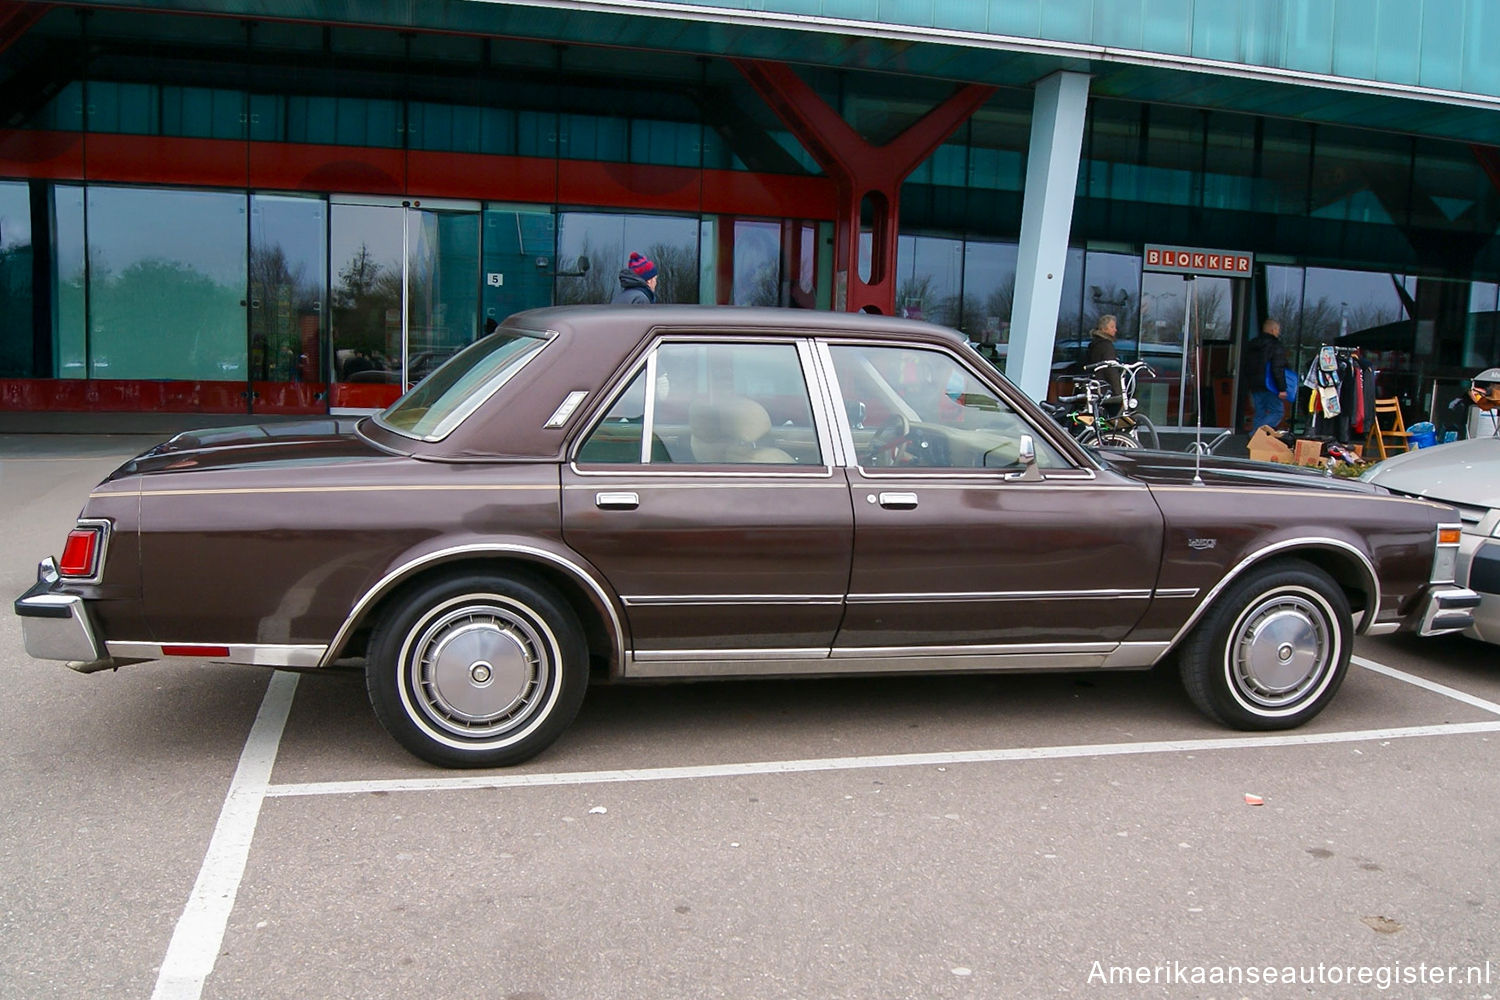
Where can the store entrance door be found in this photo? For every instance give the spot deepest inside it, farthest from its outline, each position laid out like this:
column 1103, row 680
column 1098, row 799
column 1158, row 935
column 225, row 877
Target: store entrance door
column 405, row 290
column 1191, row 330
column 287, row 318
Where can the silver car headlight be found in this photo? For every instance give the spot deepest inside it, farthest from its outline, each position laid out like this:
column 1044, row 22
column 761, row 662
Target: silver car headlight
column 1445, row 558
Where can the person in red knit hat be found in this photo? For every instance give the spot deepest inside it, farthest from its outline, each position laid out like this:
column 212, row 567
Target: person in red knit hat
column 637, row 282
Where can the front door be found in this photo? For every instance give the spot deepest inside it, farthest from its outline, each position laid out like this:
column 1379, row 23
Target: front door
column 706, row 495
column 406, row 278
column 953, row 552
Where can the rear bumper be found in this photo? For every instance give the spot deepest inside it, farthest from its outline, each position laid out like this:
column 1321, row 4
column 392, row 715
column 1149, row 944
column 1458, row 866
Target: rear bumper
column 57, row 626
column 1445, row 608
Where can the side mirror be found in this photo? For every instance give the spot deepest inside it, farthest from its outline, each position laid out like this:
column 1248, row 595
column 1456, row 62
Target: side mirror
column 1026, row 456
column 583, row 264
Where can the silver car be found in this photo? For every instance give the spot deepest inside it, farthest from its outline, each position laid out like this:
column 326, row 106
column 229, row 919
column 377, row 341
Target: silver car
column 1465, row 474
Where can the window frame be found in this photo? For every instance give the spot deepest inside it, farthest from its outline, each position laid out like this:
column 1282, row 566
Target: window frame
column 644, row 365
column 1069, row 469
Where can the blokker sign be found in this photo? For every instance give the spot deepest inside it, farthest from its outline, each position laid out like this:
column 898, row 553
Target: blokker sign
column 1186, row 260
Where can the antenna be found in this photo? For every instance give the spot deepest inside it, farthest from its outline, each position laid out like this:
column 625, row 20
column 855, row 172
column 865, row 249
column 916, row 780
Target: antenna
column 1196, row 350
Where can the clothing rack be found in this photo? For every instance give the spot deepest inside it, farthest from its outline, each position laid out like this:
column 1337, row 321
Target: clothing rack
column 1341, row 397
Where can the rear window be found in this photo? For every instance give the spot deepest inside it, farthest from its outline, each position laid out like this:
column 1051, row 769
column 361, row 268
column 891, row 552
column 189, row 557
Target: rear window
column 442, row 400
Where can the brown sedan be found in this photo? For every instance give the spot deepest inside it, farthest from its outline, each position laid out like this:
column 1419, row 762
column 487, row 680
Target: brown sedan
column 645, row 493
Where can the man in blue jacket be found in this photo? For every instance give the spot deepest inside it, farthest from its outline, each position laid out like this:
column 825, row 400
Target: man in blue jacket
column 1266, row 373
column 637, row 282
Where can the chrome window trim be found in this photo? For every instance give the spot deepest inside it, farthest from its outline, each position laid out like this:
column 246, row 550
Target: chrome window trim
column 648, row 413
column 1260, row 555
column 401, row 572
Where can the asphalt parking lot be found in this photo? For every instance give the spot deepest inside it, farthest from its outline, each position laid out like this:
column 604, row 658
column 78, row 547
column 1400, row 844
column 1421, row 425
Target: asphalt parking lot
column 197, row 830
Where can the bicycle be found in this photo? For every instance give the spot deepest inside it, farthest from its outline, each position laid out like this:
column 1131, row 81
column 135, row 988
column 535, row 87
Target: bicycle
column 1105, row 419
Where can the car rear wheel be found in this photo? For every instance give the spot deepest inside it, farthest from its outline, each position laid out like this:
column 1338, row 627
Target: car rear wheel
column 1273, row 649
column 476, row 670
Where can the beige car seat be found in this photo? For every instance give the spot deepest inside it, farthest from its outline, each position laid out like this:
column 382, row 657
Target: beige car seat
column 727, row 431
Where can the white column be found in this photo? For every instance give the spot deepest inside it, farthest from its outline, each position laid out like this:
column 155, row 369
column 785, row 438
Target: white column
column 1046, row 216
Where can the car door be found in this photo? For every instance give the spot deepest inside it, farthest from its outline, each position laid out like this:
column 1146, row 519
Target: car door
column 706, row 495
column 955, row 550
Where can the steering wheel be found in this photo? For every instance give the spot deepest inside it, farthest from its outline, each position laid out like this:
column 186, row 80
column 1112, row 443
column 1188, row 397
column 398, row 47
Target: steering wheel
column 885, row 446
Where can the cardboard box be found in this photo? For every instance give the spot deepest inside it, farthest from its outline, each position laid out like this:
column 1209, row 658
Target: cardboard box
column 1308, row 452
column 1265, row 446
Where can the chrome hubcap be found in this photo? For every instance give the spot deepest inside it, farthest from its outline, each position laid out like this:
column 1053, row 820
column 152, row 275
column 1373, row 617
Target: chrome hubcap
column 479, row 669
column 1284, row 647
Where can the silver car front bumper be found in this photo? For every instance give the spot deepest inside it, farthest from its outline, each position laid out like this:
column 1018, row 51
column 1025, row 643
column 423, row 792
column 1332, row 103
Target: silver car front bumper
column 57, row 626
column 1445, row 608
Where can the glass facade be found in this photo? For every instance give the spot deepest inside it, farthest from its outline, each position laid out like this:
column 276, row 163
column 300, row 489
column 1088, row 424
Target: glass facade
column 166, row 300
column 17, row 336
column 322, row 277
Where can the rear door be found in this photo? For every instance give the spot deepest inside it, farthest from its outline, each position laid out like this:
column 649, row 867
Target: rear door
column 706, row 494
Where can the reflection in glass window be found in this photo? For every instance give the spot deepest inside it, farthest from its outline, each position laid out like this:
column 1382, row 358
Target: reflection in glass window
column 288, row 275
column 443, row 300
column 166, row 281
column 16, row 336
column 69, row 284
column 757, row 263
column 1112, row 284
column 607, row 240
column 989, row 291
column 929, row 279
column 916, row 408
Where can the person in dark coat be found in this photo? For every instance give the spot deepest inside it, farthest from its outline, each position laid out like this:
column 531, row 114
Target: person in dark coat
column 1102, row 348
column 1266, row 370
column 637, row 282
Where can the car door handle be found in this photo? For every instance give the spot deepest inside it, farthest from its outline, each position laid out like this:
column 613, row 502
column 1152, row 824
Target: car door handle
column 617, row 501
column 898, row 501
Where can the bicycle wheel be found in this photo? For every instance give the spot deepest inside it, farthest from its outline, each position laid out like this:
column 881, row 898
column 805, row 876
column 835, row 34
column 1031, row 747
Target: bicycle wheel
column 1145, row 432
column 1117, row 439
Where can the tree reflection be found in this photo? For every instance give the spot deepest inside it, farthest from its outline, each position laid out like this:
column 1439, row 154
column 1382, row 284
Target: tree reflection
column 283, row 316
column 366, row 309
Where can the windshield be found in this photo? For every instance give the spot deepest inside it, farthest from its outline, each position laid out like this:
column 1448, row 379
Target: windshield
column 442, row 400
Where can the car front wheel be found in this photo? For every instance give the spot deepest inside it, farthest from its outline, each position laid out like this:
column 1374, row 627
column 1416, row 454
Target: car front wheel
column 476, row 670
column 1273, row 649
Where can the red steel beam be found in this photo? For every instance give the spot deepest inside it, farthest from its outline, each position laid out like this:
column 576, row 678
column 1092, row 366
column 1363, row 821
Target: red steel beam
column 861, row 170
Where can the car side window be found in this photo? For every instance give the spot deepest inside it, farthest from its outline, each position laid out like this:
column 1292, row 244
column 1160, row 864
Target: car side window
column 913, row 407
column 711, row 404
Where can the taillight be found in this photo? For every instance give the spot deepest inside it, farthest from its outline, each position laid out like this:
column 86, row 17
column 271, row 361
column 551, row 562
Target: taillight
column 80, row 553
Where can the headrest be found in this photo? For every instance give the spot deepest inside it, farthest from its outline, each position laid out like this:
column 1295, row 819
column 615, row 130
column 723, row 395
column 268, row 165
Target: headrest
column 732, row 418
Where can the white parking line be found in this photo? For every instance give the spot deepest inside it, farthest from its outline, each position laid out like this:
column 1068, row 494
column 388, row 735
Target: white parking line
column 1422, row 682
column 868, row 762
column 200, row 929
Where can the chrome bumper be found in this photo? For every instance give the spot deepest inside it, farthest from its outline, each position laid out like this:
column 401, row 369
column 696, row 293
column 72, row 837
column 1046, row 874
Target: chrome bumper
column 57, row 626
column 1446, row 608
